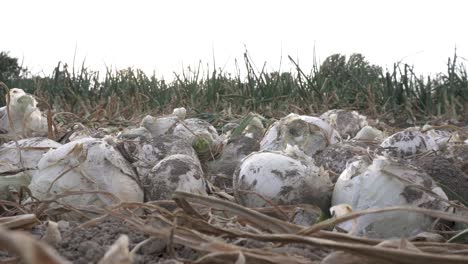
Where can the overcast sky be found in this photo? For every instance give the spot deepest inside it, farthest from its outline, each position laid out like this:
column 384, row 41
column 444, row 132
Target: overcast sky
column 163, row 36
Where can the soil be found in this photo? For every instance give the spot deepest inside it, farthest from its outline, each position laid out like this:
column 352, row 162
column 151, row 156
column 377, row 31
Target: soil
column 335, row 157
column 88, row 245
column 446, row 172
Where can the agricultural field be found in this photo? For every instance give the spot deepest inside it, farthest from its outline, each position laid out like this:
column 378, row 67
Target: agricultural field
column 347, row 163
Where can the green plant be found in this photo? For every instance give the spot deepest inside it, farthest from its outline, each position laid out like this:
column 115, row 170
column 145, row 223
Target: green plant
column 339, row 82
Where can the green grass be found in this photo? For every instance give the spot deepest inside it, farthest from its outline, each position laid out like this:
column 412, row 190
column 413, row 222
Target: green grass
column 339, row 82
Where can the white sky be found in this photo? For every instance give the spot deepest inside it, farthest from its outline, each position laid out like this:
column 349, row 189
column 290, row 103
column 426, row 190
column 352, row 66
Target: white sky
column 164, row 35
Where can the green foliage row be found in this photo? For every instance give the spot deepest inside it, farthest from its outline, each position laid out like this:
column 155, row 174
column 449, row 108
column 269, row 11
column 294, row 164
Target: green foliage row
column 339, row 82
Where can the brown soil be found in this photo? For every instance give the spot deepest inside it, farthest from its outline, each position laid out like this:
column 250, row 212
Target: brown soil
column 88, row 245
column 335, row 157
column 446, row 172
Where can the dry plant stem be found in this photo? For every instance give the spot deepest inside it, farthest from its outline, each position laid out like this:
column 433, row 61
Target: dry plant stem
column 80, row 212
column 259, row 219
column 44, row 203
column 352, row 215
column 61, row 175
column 182, row 203
column 283, row 214
column 205, row 243
column 117, row 252
column 344, row 237
column 458, row 129
column 209, row 258
column 199, row 241
column 66, row 113
column 93, row 221
column 29, row 249
column 394, row 255
column 170, row 243
column 19, row 221
column 140, row 245
column 205, row 227
column 277, row 225
column 51, row 127
column 189, row 237
column 364, row 250
column 30, row 148
column 157, row 212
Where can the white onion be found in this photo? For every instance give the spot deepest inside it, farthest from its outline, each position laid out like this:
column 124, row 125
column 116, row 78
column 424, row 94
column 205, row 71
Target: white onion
column 176, row 172
column 347, row 123
column 408, row 143
column 281, row 179
column 384, row 183
column 92, row 165
column 309, row 134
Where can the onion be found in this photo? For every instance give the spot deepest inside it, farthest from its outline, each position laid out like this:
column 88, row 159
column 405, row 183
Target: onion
column 86, row 165
column 309, row 134
column 282, row 179
column 177, row 172
column 384, row 183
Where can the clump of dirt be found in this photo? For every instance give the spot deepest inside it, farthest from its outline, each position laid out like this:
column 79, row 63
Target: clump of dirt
column 446, row 172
